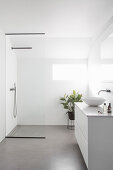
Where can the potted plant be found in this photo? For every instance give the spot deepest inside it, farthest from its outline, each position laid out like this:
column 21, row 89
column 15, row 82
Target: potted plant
column 68, row 101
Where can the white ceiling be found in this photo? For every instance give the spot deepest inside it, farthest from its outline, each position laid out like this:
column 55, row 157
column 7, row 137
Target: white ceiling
column 57, row 18
column 72, row 18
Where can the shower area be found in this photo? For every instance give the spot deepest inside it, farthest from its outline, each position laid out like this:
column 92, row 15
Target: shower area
column 25, row 114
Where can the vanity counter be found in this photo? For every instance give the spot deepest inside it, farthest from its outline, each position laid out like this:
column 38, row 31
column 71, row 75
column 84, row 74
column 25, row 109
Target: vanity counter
column 91, row 111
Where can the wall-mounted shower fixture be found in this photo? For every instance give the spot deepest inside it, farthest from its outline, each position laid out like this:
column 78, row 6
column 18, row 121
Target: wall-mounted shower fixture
column 21, row 48
column 29, row 33
column 15, row 104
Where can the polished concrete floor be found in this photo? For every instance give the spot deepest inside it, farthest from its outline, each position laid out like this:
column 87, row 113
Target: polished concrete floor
column 59, row 151
column 28, row 131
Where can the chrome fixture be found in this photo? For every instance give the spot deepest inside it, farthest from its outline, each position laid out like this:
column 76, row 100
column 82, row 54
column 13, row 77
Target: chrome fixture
column 105, row 90
column 29, row 33
column 100, row 112
column 21, row 48
column 15, row 104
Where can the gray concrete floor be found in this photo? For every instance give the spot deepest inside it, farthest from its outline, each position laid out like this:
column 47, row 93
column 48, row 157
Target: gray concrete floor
column 59, row 151
column 28, row 131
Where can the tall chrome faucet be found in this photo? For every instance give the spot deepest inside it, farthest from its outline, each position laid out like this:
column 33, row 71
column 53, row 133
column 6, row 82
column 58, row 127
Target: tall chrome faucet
column 106, row 90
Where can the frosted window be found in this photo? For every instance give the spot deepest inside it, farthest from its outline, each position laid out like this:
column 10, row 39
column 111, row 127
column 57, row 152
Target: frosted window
column 76, row 72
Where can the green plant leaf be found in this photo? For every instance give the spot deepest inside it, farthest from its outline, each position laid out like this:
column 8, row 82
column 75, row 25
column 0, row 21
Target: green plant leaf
column 74, row 92
column 65, row 107
column 65, row 96
column 79, row 97
column 62, row 98
column 68, row 101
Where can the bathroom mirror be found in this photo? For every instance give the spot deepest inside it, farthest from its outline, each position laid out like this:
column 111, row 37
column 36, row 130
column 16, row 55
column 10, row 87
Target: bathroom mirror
column 106, row 63
column 100, row 61
column 106, row 59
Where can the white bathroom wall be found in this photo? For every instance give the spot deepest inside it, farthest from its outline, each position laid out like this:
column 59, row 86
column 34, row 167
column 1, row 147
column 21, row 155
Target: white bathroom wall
column 2, row 86
column 38, row 88
column 11, row 78
column 67, row 48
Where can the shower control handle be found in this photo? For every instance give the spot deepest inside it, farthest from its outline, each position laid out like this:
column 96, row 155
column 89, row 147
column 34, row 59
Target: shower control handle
column 15, row 105
column 13, row 89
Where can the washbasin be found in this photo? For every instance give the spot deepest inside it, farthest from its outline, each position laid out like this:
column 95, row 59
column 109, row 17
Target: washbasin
column 94, row 101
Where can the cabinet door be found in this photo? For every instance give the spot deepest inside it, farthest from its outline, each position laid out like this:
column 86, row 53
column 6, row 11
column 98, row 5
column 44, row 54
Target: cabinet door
column 82, row 143
column 82, row 122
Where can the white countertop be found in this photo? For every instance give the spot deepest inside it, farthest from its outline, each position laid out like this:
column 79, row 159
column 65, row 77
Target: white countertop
column 91, row 111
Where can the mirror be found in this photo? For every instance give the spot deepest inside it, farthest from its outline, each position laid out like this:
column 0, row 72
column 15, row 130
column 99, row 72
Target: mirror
column 106, row 55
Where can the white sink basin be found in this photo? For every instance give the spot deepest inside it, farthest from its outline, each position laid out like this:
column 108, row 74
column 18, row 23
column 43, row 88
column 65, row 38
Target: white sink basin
column 94, row 101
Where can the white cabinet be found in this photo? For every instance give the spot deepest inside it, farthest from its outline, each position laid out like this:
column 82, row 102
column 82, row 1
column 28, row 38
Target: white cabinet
column 81, row 132
column 82, row 143
column 82, row 122
column 94, row 134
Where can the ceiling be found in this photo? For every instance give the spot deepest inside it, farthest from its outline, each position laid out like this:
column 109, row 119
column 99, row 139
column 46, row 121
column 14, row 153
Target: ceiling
column 57, row 18
column 64, row 18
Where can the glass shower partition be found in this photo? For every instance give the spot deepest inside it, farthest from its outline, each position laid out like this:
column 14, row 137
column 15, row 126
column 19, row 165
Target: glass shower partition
column 29, row 76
